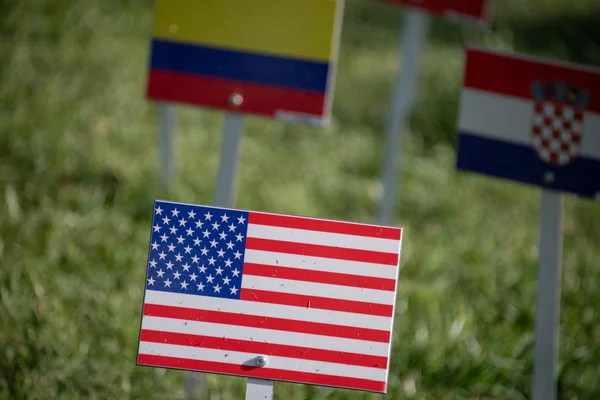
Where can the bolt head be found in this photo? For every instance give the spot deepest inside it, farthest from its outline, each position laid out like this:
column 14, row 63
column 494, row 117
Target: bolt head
column 261, row 361
column 236, row 100
column 548, row 177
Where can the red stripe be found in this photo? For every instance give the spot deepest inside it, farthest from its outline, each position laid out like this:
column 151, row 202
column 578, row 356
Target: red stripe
column 255, row 321
column 212, row 92
column 265, row 372
column 512, row 74
column 332, row 278
column 316, row 250
column 472, row 8
column 321, row 225
column 323, row 303
column 249, row 346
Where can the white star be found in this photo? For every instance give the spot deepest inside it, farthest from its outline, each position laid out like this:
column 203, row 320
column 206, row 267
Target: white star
column 186, row 266
column 156, row 228
column 219, row 271
column 180, row 239
column 206, row 233
column 170, row 265
column 158, row 210
column 151, row 281
column 176, row 275
column 226, row 281
column 178, row 257
column 202, row 269
column 197, row 242
column 209, row 279
column 153, row 264
column 213, row 243
column 162, row 255
column 204, row 251
column 193, row 276
column 224, row 218
column 229, row 245
column 208, row 216
column 154, row 246
column 166, row 220
column 175, row 213
column 168, row 283
column 164, row 238
column 239, row 237
column 228, row 262
column 235, row 272
column 195, row 260
column 187, row 249
column 232, row 227
column 241, row 219
column 191, row 214
column 237, row 254
column 215, row 225
column 233, row 290
column 199, row 224
column 182, row 222
column 220, row 252
column 200, row 286
column 223, row 235
column 173, row 230
column 171, row 247
column 184, row 285
column 190, row 232
column 160, row 273
column 211, row 261
column 217, row 288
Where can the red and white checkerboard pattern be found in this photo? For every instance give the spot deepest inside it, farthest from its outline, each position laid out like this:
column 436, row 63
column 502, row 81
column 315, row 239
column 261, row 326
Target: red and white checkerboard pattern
column 557, row 131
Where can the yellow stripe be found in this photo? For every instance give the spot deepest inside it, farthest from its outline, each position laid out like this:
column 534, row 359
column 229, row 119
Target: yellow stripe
column 295, row 28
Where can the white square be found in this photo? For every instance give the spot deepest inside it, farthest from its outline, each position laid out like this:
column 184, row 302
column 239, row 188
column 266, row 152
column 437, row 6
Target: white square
column 549, row 109
column 568, row 113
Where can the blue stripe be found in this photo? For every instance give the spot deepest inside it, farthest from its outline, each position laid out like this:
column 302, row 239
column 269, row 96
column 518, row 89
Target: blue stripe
column 237, row 65
column 521, row 163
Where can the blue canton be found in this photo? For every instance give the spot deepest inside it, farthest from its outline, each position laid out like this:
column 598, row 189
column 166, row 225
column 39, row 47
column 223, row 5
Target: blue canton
column 197, row 250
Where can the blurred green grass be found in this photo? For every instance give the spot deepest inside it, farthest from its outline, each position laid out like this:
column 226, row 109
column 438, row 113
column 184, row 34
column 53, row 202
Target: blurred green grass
column 78, row 162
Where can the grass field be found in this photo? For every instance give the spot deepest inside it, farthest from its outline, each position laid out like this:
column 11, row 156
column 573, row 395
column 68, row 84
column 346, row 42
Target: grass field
column 78, row 161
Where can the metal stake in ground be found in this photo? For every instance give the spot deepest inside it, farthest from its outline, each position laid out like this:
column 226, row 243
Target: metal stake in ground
column 166, row 117
column 548, row 297
column 259, row 389
column 413, row 35
column 233, row 128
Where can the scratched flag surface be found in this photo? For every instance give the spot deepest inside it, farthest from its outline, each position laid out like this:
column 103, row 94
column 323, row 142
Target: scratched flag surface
column 315, row 297
column 279, row 56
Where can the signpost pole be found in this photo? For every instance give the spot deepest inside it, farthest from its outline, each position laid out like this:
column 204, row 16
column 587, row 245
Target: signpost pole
column 548, row 297
column 259, row 389
column 166, row 116
column 233, row 128
column 414, row 32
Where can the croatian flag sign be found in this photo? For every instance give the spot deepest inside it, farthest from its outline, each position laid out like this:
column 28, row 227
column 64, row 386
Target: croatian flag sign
column 314, row 297
column 531, row 120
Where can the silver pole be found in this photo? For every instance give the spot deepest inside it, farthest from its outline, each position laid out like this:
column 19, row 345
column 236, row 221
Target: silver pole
column 166, row 116
column 413, row 35
column 548, row 297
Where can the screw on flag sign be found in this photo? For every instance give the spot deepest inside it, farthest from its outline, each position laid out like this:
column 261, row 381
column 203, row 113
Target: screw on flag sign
column 270, row 296
column 531, row 120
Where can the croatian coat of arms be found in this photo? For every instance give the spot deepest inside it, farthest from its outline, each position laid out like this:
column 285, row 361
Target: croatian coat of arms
column 558, row 117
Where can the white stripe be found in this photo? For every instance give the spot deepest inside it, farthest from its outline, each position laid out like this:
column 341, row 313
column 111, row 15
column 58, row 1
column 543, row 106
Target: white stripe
column 321, row 264
column 323, row 238
column 269, row 310
column 510, row 118
column 238, row 358
column 265, row 335
column 317, row 289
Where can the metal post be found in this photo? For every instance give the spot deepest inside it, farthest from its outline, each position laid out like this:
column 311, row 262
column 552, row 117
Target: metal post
column 166, row 116
column 548, row 297
column 259, row 389
column 413, row 36
column 233, row 128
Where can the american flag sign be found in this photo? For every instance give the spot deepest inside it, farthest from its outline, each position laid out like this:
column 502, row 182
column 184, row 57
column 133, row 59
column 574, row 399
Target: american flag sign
column 315, row 297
